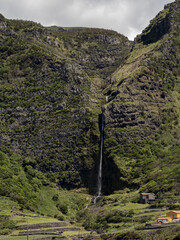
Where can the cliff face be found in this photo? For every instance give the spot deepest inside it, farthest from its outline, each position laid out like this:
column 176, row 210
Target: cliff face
column 142, row 116
column 54, row 82
column 51, row 95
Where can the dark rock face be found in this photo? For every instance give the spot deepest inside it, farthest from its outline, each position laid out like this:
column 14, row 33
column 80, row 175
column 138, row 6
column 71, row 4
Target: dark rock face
column 153, row 34
column 133, row 104
column 162, row 24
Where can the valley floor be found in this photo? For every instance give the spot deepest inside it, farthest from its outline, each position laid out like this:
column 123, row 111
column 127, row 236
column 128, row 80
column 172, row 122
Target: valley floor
column 113, row 217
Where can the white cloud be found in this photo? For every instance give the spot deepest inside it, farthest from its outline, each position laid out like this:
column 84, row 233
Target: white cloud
column 128, row 17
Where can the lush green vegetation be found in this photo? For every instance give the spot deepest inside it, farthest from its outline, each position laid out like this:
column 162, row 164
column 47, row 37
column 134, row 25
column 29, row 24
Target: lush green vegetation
column 143, row 142
column 20, row 188
column 54, row 83
column 33, row 190
column 49, row 80
column 6, row 225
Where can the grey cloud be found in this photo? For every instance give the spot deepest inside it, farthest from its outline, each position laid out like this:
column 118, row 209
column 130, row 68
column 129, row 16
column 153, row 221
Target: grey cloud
column 128, row 17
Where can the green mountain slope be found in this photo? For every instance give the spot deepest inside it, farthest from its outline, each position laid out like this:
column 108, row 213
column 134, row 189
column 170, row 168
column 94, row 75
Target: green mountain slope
column 51, row 95
column 142, row 116
column 53, row 84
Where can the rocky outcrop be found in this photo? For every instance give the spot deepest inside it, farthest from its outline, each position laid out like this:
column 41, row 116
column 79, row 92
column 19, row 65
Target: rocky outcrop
column 162, row 24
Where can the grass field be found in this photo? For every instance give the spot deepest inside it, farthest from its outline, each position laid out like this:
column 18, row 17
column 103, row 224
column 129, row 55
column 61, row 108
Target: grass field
column 21, row 220
column 24, row 237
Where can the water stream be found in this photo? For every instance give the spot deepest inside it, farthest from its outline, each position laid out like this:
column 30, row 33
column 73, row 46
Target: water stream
column 99, row 180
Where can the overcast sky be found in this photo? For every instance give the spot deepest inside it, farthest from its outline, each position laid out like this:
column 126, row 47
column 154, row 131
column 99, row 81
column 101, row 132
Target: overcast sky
column 128, row 17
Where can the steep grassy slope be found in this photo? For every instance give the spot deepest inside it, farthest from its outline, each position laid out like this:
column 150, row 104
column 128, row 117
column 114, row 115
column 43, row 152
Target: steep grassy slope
column 142, row 115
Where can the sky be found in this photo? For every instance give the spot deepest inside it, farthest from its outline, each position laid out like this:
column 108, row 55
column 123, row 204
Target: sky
column 128, row 17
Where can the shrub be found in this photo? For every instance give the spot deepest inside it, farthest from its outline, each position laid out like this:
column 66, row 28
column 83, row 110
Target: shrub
column 62, row 207
column 144, row 219
column 6, row 225
column 59, row 217
column 177, row 237
column 116, row 216
column 128, row 236
column 55, row 198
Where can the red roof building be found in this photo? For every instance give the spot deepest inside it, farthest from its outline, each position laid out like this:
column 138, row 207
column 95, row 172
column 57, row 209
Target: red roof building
column 147, row 197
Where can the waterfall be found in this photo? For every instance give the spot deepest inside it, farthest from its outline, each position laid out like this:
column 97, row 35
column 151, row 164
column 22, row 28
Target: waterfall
column 99, row 180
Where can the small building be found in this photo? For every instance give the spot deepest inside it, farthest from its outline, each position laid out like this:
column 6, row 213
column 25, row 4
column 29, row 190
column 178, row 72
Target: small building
column 173, row 214
column 163, row 219
column 147, row 197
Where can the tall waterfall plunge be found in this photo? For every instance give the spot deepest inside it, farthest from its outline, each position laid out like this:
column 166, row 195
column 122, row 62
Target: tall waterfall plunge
column 99, row 180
